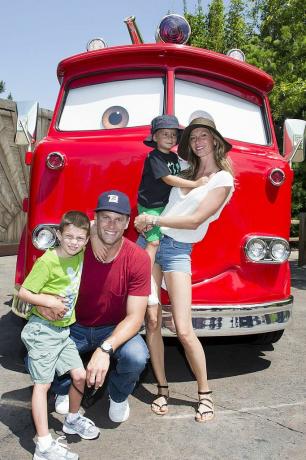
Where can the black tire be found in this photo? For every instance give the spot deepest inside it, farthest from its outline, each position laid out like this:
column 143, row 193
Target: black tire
column 268, row 337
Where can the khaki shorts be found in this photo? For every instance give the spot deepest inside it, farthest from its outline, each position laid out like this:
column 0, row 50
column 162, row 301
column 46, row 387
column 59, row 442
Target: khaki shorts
column 50, row 350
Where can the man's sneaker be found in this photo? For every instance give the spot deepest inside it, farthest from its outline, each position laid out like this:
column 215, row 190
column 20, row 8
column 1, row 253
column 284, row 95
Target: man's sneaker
column 81, row 426
column 62, row 404
column 57, row 451
column 119, row 412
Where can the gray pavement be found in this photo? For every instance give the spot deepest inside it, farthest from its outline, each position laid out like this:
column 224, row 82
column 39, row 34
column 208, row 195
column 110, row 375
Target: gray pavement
column 259, row 393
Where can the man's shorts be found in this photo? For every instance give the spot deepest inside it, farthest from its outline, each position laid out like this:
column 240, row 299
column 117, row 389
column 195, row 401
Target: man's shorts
column 50, row 350
column 172, row 255
column 154, row 234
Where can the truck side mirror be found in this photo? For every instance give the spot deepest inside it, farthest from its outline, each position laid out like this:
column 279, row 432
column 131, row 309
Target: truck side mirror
column 294, row 140
column 27, row 114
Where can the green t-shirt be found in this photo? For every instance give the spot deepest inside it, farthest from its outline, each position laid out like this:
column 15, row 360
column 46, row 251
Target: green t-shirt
column 52, row 274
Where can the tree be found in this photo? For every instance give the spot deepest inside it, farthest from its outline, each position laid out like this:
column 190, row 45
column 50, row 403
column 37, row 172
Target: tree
column 215, row 26
column 271, row 34
column 2, row 86
column 198, row 24
column 235, row 26
column 278, row 48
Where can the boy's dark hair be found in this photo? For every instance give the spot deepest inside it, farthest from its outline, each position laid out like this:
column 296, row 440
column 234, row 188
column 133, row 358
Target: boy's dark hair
column 76, row 218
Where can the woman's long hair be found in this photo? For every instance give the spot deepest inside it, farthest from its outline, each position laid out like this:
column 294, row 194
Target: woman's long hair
column 221, row 159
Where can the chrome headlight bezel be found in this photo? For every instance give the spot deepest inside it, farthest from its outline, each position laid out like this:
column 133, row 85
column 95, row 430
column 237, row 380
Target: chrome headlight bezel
column 50, row 237
column 269, row 255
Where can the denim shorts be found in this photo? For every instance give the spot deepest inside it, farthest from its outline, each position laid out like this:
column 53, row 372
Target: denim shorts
column 172, row 255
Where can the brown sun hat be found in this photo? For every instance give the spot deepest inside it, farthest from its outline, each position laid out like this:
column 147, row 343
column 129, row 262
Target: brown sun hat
column 200, row 122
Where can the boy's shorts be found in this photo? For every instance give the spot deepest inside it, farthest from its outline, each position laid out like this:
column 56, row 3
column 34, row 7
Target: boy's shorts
column 50, row 350
column 154, row 234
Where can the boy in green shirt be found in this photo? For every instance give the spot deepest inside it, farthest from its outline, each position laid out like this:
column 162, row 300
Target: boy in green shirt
column 54, row 282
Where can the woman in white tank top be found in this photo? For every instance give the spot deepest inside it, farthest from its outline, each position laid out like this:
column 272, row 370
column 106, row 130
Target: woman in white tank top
column 185, row 221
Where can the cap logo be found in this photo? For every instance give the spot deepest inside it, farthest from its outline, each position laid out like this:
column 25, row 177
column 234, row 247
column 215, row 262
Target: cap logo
column 112, row 198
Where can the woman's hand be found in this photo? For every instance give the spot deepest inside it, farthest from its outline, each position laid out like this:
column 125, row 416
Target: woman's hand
column 143, row 223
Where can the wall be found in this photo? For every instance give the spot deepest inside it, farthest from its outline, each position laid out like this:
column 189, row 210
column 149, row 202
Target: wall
column 14, row 175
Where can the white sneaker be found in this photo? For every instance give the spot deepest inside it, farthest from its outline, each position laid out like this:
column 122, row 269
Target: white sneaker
column 153, row 297
column 82, row 426
column 119, row 412
column 57, row 451
column 62, row 404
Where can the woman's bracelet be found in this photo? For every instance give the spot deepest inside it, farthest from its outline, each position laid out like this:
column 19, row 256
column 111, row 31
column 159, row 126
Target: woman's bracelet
column 154, row 221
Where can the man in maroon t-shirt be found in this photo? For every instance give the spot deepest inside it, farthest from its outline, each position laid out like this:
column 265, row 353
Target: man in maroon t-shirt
column 111, row 306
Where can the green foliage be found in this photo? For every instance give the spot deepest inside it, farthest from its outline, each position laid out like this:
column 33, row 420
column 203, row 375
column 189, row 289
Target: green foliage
column 10, row 97
column 216, row 26
column 199, row 27
column 2, row 86
column 299, row 189
column 235, row 27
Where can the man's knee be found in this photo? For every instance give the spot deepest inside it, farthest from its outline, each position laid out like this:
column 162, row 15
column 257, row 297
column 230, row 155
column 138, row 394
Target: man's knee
column 133, row 358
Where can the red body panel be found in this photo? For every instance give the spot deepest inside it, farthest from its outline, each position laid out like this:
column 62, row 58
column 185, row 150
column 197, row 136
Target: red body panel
column 100, row 160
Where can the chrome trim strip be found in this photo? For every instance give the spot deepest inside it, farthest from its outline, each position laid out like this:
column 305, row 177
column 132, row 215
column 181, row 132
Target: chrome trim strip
column 234, row 320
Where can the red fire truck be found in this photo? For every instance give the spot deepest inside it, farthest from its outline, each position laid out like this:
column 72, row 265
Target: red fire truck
column 107, row 98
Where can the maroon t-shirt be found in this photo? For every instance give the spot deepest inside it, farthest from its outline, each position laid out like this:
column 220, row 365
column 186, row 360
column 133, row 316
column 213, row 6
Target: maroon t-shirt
column 105, row 286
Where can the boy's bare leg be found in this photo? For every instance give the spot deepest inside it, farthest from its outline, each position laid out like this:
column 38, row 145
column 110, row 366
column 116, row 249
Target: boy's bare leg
column 151, row 249
column 40, row 408
column 75, row 395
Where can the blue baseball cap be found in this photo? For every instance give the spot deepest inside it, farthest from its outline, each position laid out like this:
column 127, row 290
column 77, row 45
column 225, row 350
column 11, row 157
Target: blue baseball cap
column 114, row 201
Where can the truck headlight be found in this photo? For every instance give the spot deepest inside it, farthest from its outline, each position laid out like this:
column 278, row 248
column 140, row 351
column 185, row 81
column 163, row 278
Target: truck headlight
column 44, row 236
column 256, row 249
column 267, row 249
column 279, row 250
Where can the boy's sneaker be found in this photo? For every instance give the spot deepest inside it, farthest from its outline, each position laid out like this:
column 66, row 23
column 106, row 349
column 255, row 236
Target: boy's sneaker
column 81, row 426
column 57, row 451
column 62, row 404
column 119, row 412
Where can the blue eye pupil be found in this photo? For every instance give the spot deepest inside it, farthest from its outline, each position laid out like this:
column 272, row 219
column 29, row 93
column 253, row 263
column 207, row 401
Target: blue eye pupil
column 115, row 118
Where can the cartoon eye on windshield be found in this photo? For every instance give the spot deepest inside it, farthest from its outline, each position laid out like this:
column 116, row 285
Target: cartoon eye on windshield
column 115, row 117
column 113, row 104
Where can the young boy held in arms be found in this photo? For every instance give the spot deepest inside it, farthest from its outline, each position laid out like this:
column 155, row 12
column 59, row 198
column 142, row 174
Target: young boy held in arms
column 160, row 174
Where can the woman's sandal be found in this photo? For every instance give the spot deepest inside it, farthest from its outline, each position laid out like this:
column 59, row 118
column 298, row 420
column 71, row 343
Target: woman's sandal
column 156, row 407
column 208, row 405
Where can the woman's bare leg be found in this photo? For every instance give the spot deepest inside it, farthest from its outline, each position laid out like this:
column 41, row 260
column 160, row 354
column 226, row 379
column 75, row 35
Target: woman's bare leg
column 179, row 289
column 156, row 345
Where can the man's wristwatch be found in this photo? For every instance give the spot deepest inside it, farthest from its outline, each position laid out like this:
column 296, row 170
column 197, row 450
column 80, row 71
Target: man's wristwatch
column 107, row 348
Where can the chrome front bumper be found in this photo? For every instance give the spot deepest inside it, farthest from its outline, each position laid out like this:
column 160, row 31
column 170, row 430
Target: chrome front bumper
column 233, row 320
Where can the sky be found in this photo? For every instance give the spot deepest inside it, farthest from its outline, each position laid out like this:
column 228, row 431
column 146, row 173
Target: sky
column 35, row 35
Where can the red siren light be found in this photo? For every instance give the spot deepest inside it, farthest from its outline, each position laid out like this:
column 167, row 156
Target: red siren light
column 173, row 28
column 277, row 177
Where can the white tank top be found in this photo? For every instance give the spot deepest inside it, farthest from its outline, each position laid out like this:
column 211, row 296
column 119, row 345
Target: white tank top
column 184, row 205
